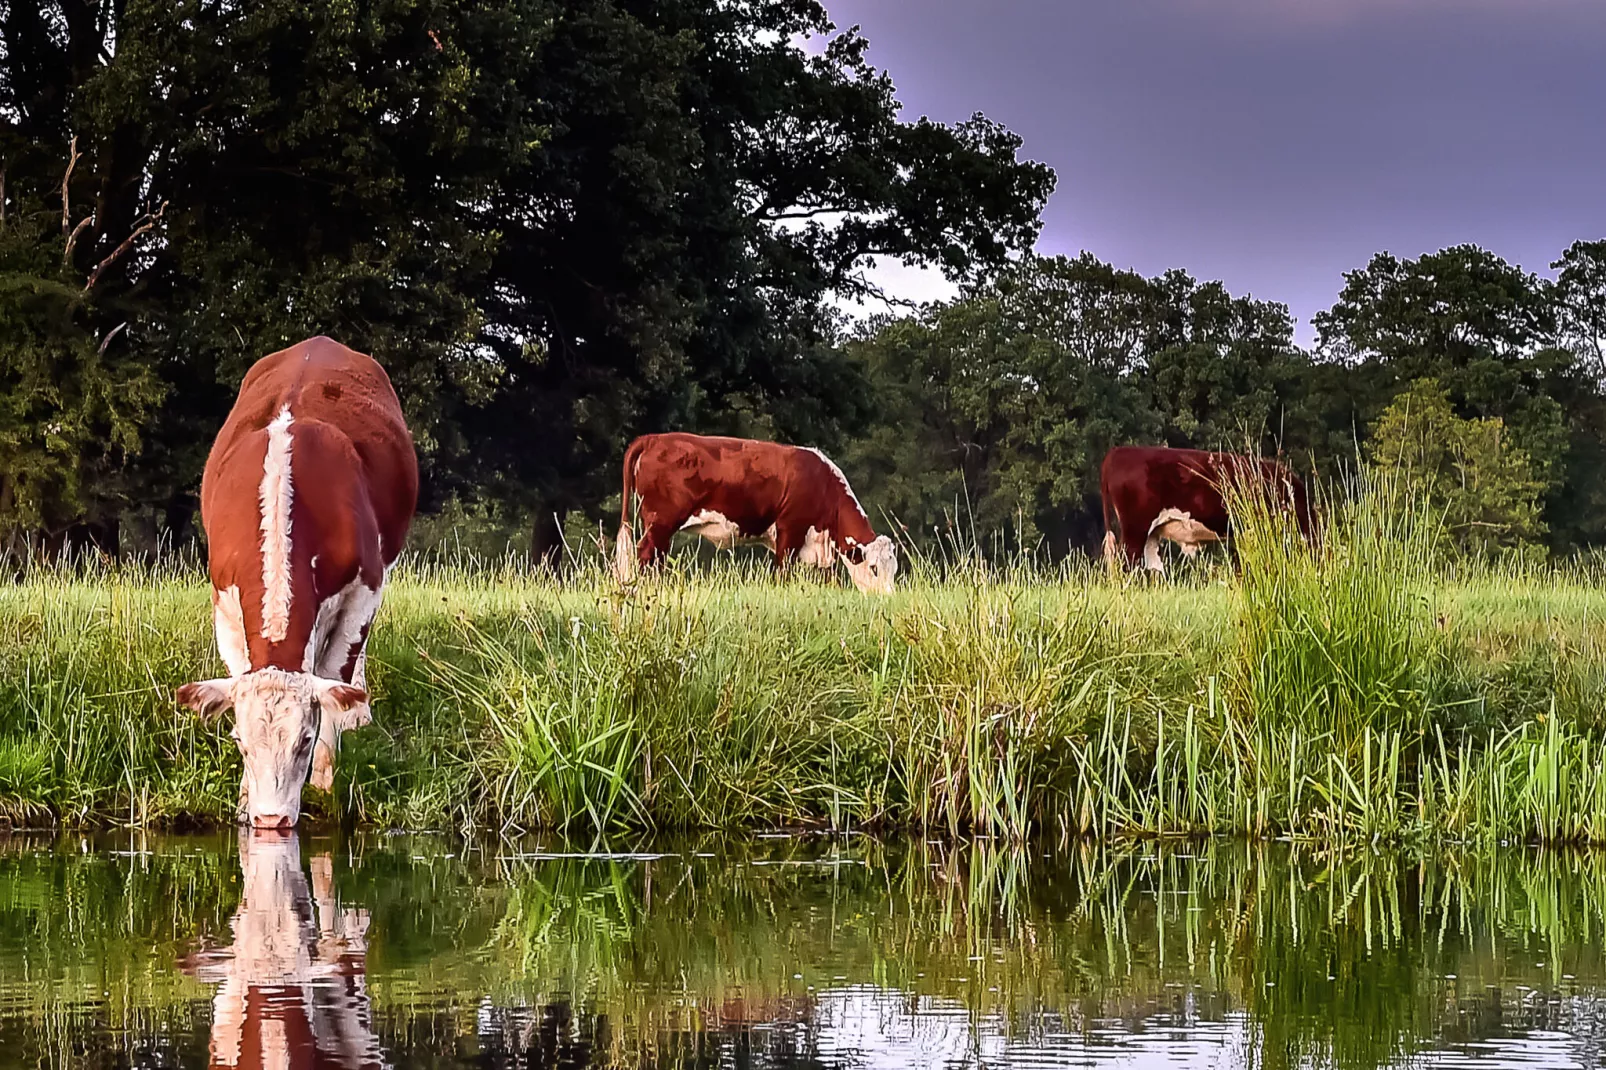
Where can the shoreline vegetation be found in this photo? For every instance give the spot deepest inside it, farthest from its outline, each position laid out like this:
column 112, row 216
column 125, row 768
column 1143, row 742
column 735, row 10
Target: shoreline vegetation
column 1375, row 689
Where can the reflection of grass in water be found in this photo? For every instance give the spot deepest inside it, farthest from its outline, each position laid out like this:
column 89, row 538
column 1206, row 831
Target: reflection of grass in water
column 1336, row 956
column 981, row 700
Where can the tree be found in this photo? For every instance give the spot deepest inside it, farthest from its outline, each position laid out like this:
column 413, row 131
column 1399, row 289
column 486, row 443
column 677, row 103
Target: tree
column 1225, row 374
column 706, row 187
column 1005, row 400
column 311, row 166
column 72, row 404
column 1486, row 489
column 556, row 222
column 1580, row 302
column 1483, row 329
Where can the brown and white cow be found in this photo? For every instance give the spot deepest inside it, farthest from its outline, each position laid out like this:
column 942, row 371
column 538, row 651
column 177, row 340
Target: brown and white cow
column 790, row 498
column 307, row 497
column 1155, row 492
column 291, row 987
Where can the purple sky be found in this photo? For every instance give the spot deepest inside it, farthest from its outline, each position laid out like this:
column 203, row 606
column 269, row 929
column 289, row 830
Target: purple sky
column 1274, row 144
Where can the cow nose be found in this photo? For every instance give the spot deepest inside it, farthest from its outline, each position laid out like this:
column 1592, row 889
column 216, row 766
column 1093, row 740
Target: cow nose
column 272, row 821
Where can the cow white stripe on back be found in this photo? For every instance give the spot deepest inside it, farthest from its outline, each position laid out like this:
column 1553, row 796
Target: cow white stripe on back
column 854, row 498
column 275, row 497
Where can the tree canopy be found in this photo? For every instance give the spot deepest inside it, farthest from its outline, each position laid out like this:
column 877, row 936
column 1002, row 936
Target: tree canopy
column 556, row 222
column 562, row 223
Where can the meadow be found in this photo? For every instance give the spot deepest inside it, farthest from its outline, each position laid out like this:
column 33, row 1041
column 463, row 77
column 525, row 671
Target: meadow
column 1371, row 690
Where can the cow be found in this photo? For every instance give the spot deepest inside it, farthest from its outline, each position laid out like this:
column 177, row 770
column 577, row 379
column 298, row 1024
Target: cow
column 793, row 499
column 292, row 986
column 1155, row 492
column 306, row 500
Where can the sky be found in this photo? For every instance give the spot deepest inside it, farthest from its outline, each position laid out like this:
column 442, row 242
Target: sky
column 1273, row 144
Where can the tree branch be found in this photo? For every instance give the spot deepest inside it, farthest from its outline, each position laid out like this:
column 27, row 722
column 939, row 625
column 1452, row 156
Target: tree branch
column 107, row 340
column 66, row 207
column 72, row 240
column 148, row 221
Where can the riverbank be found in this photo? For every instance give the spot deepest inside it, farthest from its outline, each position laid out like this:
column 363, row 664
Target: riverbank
column 1304, row 700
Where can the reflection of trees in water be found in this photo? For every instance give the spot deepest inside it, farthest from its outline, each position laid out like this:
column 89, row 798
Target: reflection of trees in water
column 497, row 959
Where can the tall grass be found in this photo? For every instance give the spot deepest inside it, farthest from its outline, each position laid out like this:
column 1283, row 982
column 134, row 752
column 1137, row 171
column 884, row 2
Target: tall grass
column 1361, row 689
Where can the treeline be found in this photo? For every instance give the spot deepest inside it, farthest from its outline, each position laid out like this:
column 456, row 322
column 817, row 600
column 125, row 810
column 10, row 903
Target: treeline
column 561, row 223
column 556, row 222
column 1481, row 384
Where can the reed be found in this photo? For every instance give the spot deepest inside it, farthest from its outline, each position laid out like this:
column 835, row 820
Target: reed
column 1362, row 690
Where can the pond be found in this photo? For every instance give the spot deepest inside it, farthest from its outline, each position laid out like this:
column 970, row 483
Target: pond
column 405, row 951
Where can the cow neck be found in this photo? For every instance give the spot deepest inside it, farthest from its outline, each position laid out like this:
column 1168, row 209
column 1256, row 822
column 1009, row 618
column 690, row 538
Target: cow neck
column 851, row 524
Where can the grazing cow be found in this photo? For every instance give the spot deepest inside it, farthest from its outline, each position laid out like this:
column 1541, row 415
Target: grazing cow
column 792, row 499
column 291, row 987
column 306, row 499
column 1155, row 493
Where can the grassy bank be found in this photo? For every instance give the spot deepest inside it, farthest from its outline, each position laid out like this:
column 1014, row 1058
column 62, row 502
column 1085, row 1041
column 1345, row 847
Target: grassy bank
column 1339, row 696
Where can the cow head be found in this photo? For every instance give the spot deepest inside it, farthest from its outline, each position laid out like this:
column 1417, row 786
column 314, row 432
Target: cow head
column 873, row 566
column 277, row 715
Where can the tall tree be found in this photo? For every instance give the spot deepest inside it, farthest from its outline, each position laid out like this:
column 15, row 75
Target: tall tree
column 557, row 222
column 309, row 167
column 1484, row 330
column 1580, row 300
column 1003, row 402
column 707, row 186
column 1225, row 373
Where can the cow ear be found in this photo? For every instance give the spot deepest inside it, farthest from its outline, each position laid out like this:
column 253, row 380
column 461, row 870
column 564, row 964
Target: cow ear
column 347, row 702
column 207, row 697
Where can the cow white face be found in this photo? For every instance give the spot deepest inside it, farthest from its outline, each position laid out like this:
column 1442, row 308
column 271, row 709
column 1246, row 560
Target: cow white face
column 877, row 566
column 277, row 715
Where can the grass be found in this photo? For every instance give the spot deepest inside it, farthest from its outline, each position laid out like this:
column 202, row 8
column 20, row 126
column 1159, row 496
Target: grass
column 1370, row 690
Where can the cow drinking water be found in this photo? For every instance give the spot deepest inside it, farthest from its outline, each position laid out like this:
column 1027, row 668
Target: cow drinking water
column 306, row 499
column 790, row 498
column 1155, row 492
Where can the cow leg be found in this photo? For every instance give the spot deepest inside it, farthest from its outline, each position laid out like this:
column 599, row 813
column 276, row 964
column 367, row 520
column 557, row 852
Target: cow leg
column 788, row 541
column 328, row 746
column 344, row 657
column 655, row 539
column 1134, row 542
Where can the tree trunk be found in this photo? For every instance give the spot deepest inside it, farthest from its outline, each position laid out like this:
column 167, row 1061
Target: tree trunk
column 546, row 539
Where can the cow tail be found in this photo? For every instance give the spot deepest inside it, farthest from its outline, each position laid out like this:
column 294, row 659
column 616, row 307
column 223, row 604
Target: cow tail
column 1109, row 531
column 624, row 547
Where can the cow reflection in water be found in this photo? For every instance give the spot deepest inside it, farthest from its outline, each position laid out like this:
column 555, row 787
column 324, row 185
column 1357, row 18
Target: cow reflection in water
column 291, row 990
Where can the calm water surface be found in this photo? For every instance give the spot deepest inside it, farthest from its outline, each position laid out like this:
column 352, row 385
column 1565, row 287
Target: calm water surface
column 791, row 951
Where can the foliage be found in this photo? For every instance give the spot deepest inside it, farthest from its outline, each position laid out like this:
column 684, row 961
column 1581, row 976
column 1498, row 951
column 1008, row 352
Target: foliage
column 1485, row 330
column 998, row 407
column 618, row 215
column 1485, row 489
column 1580, row 300
column 73, row 405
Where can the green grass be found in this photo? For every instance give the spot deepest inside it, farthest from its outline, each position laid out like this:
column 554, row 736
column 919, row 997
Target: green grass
column 1368, row 691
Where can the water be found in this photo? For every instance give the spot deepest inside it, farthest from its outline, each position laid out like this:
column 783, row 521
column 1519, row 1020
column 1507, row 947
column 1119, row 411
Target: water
column 791, row 951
